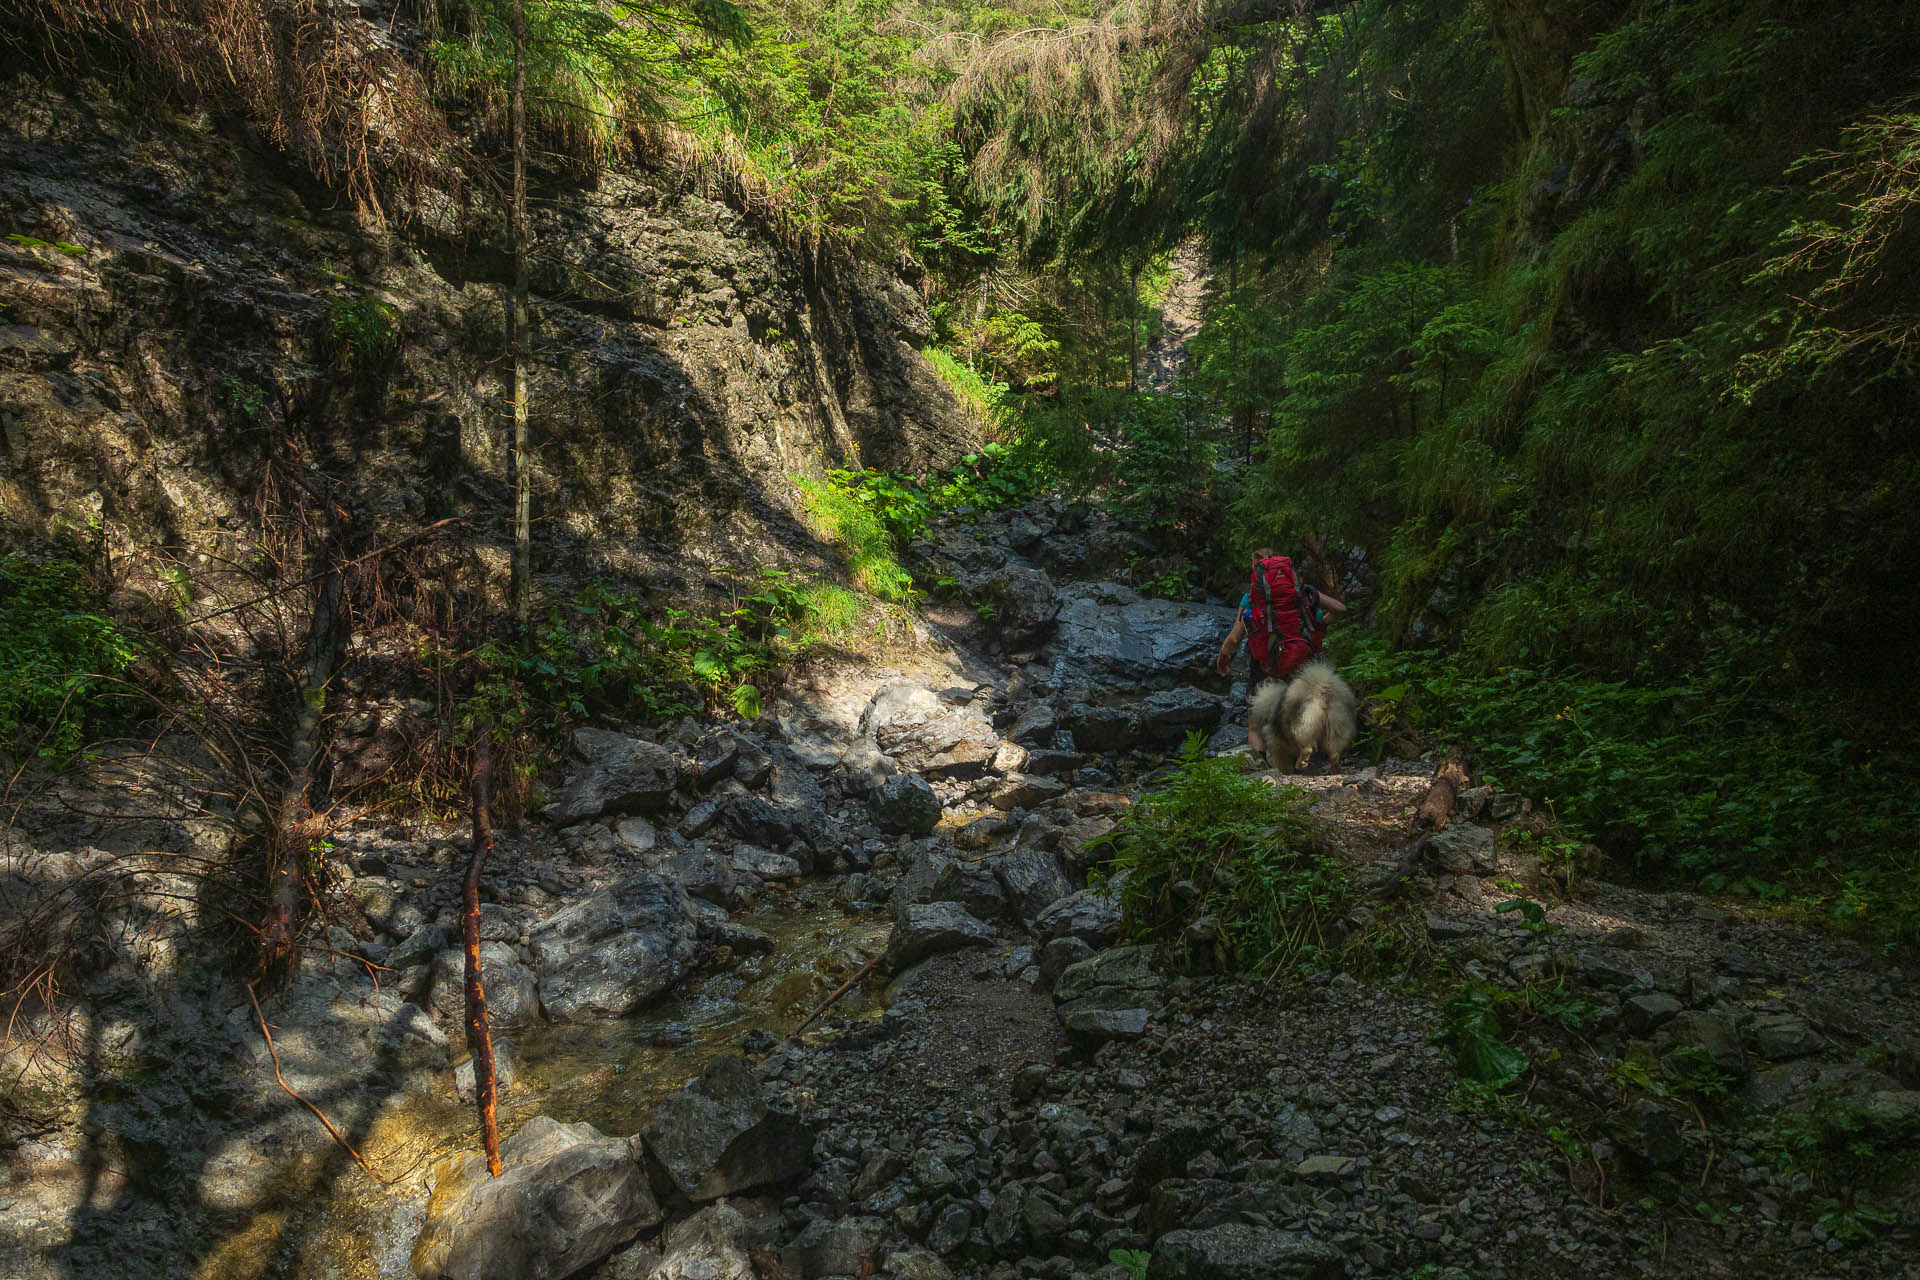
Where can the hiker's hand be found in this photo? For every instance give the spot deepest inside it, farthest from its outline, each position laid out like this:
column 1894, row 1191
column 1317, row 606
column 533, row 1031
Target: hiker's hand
column 1223, row 662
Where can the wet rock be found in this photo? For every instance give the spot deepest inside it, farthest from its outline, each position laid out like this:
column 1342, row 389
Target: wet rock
column 1236, row 1251
column 506, row 1069
column 1169, row 715
column 422, row 946
column 932, row 928
column 622, row 775
column 1026, row 791
column 512, row 998
column 566, row 1197
column 635, row 836
column 905, row 803
column 1123, row 975
column 611, row 954
column 763, row 863
column 1033, row 881
column 1022, row 597
column 1089, row 915
column 1053, row 764
column 917, row 1264
column 1114, row 635
column 717, row 1136
column 974, row 887
column 951, row 1224
column 923, row 733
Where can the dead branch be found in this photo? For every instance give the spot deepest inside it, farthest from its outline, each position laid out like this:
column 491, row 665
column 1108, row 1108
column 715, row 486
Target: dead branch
column 291, row 1092
column 1436, row 806
column 845, row 987
column 479, row 1035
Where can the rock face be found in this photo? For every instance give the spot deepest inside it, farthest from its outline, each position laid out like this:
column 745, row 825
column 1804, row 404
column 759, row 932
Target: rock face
column 621, row 775
column 717, row 1136
column 1116, row 636
column 512, row 1000
column 608, row 955
column 566, row 1197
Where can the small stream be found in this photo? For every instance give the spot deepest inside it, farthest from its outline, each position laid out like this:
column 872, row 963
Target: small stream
column 609, row 1074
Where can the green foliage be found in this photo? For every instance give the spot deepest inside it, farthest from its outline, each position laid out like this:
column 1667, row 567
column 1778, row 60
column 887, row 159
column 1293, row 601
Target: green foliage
column 60, row 683
column 841, row 512
column 1132, row 1261
column 1471, row 1025
column 891, row 510
column 1711, row 773
column 361, row 328
column 604, row 653
column 1217, row 841
column 983, row 399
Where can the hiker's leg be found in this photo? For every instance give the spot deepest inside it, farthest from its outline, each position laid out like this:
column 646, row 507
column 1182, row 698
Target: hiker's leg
column 1255, row 743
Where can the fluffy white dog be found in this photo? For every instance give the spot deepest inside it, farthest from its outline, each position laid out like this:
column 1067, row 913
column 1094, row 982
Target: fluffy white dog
column 1313, row 710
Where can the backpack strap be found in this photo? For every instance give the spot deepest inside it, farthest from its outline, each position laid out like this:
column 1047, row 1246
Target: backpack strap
column 1264, row 602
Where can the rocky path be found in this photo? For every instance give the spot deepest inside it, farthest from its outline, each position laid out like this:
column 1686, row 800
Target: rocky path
column 1166, row 352
column 1013, row 1092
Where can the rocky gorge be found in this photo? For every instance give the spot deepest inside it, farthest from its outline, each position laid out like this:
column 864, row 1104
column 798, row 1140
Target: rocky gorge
column 1017, row 1091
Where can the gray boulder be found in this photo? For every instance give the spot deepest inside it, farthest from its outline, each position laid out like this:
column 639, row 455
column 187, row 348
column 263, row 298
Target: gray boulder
column 611, row 954
column 835, row 1247
column 713, row 1244
column 1033, row 881
column 717, row 1136
column 621, row 775
column 566, row 1197
column 1461, row 849
column 973, row 886
column 1237, row 1251
column 512, row 1000
column 704, row 874
column 1103, row 728
column 1089, row 915
column 1114, row 635
column 1026, row 791
column 931, row 928
column 905, row 804
column 1023, row 599
column 1035, row 726
column 924, row 733
column 506, row 1069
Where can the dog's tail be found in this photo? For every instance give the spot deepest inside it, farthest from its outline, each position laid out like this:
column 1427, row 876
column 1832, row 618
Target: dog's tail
column 1309, row 711
column 1266, row 702
column 1324, row 709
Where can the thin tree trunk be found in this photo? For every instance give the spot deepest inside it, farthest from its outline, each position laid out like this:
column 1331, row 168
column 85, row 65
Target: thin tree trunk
column 522, row 575
column 479, row 1035
column 296, row 828
column 1133, row 329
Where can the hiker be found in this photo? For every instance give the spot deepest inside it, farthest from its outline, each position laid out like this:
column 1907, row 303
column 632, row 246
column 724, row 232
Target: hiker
column 1285, row 630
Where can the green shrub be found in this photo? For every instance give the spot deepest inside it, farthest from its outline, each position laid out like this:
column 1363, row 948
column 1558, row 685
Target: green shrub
column 59, row 681
column 1218, row 841
column 848, row 515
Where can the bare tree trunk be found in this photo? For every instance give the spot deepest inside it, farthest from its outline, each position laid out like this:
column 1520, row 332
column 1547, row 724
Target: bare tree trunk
column 479, row 1035
column 1133, row 329
column 522, row 574
column 296, row 828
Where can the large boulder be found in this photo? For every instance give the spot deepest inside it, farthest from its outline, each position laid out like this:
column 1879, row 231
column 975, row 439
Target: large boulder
column 924, row 732
column 1091, row 915
column 905, row 804
column 1033, row 881
column 717, row 1136
column 621, row 775
column 611, row 954
column 512, row 1000
column 926, row 929
column 566, row 1197
column 1100, row 728
column 713, row 1244
column 1022, row 597
column 1115, row 636
column 1238, row 1251
column 1169, row 715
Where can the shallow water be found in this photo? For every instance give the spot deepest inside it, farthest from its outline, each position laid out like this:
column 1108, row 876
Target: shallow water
column 609, row 1074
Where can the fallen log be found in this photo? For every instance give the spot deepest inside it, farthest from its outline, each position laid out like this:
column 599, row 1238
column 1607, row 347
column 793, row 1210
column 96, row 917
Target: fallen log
column 1436, row 806
column 479, row 1035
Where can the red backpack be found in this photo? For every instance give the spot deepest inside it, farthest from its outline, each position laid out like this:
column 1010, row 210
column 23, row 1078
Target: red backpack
column 1284, row 626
